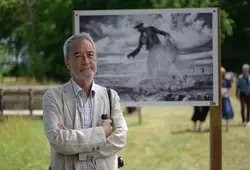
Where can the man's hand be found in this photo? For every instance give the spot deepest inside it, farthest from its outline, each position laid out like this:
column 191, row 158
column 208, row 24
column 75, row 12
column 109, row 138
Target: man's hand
column 107, row 127
column 60, row 126
column 130, row 55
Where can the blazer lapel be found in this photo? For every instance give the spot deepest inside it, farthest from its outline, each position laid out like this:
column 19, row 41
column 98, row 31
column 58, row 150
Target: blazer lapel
column 96, row 112
column 97, row 108
column 69, row 99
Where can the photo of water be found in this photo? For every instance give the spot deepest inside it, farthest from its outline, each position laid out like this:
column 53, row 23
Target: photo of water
column 154, row 58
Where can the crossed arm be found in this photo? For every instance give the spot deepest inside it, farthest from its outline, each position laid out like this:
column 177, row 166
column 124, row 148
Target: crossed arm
column 83, row 141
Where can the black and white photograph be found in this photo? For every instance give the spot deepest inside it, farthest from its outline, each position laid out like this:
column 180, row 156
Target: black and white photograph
column 156, row 57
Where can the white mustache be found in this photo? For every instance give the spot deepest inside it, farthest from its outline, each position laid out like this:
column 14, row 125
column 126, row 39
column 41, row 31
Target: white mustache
column 85, row 68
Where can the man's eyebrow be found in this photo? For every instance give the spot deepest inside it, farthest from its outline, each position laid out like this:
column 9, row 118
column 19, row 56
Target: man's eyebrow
column 89, row 52
column 76, row 53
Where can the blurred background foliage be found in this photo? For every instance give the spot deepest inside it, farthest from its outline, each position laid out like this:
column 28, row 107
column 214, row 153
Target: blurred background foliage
column 33, row 32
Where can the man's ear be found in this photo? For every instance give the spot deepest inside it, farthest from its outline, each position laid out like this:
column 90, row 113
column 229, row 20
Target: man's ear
column 66, row 62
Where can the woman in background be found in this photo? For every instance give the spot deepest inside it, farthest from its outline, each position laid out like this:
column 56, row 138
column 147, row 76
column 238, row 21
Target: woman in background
column 227, row 110
column 200, row 114
column 130, row 110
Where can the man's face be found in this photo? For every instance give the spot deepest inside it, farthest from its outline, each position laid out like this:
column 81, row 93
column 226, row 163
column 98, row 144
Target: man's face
column 245, row 71
column 82, row 59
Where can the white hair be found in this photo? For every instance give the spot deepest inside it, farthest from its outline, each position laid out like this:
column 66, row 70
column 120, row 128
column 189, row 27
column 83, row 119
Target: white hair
column 74, row 37
column 245, row 66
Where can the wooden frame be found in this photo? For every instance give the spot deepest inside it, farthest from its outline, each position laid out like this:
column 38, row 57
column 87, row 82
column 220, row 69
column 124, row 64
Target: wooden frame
column 215, row 119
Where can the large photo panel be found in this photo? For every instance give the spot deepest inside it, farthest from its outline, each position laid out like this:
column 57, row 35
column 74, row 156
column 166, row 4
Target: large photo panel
column 156, row 57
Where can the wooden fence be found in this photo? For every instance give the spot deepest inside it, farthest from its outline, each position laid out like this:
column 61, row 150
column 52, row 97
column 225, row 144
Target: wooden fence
column 14, row 98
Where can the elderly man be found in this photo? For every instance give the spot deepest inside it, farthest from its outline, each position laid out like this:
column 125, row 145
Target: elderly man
column 243, row 93
column 79, row 138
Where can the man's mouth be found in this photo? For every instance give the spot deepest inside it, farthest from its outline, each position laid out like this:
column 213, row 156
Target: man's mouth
column 84, row 69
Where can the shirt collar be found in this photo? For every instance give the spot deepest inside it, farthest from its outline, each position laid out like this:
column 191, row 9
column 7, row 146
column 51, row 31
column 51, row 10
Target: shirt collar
column 77, row 88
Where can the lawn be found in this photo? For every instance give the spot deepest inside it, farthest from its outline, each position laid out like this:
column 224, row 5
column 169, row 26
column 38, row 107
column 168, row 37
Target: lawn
column 163, row 142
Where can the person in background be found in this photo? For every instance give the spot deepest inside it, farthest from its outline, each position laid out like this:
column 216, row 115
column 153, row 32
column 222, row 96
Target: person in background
column 130, row 110
column 200, row 114
column 243, row 93
column 227, row 109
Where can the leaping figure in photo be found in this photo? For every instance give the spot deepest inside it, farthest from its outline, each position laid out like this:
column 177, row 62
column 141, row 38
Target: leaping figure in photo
column 161, row 58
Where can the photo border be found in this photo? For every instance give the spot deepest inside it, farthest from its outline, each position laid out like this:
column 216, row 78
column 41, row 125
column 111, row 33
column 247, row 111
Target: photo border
column 215, row 28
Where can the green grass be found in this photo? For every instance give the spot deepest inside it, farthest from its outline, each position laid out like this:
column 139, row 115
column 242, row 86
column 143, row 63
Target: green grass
column 23, row 145
column 163, row 142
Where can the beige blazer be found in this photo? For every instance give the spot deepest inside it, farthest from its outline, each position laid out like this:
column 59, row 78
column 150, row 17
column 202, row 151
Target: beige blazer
column 70, row 146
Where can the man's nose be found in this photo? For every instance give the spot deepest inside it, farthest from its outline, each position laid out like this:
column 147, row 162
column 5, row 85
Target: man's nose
column 85, row 60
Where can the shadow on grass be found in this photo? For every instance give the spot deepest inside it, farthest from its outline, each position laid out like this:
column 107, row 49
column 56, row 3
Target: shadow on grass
column 234, row 125
column 206, row 130
column 134, row 124
column 189, row 131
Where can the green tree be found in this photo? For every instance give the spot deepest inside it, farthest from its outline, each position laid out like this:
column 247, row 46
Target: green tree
column 43, row 25
column 235, row 50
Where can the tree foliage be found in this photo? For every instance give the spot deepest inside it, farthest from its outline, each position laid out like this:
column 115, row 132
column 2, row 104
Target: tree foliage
column 35, row 30
column 236, row 49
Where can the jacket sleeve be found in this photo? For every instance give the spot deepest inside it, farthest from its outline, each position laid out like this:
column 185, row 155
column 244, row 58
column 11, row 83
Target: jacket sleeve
column 157, row 31
column 118, row 138
column 138, row 48
column 68, row 141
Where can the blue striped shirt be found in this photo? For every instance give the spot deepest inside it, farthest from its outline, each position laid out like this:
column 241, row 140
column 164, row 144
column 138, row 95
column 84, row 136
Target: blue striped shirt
column 84, row 110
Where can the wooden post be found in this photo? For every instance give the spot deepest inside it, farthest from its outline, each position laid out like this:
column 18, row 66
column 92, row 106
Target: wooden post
column 215, row 119
column 2, row 117
column 1, row 101
column 215, row 138
column 31, row 101
column 139, row 111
